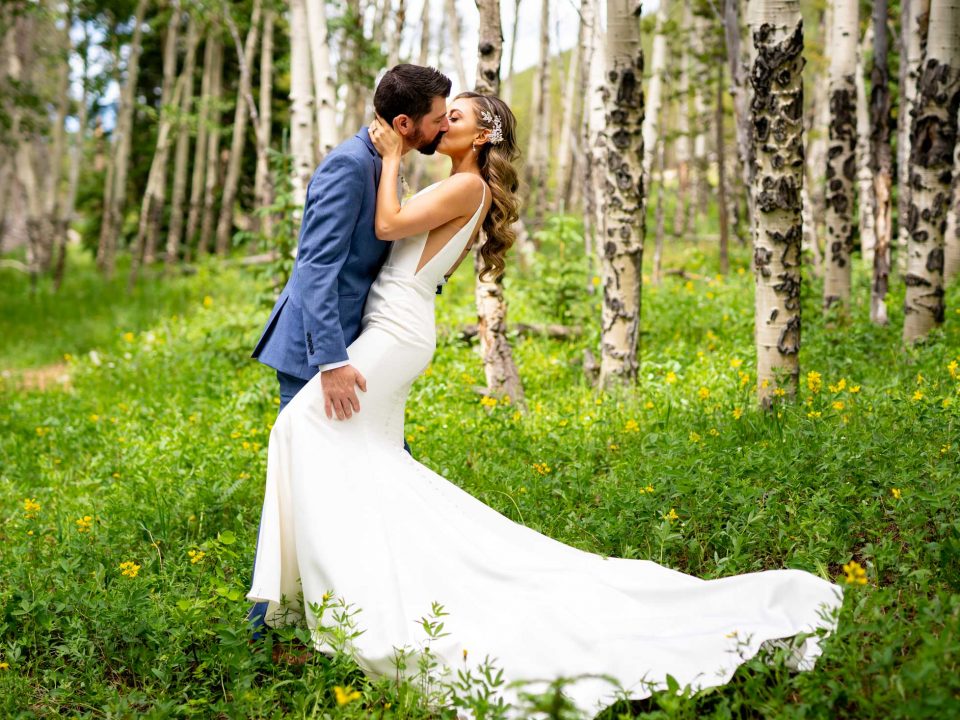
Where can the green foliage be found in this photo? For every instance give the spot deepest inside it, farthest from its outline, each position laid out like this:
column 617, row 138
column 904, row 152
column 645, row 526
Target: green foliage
column 562, row 270
column 161, row 441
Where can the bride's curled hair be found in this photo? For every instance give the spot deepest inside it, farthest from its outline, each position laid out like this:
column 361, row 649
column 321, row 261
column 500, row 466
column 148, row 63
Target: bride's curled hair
column 496, row 167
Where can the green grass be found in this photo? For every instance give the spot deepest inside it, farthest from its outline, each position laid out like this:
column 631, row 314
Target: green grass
column 161, row 441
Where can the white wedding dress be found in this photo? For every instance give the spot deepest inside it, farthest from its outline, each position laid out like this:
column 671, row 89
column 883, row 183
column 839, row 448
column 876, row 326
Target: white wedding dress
column 347, row 510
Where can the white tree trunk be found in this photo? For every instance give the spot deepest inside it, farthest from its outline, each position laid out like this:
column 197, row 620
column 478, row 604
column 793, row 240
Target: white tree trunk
column 263, row 182
column 501, row 372
column 151, row 209
column 229, row 195
column 951, row 238
column 181, row 154
column 777, row 32
column 396, row 37
column 934, row 131
column 865, row 199
column 841, row 152
column 538, row 165
column 511, row 81
column 595, row 129
column 741, row 96
column 200, row 149
column 115, row 195
column 570, row 110
column 651, row 117
column 301, row 103
column 881, row 162
column 324, row 82
column 681, row 143
column 621, row 251
column 212, row 165
column 456, row 48
column 914, row 17
column 816, row 137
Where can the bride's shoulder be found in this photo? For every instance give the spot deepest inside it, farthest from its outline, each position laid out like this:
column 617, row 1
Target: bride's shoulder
column 465, row 185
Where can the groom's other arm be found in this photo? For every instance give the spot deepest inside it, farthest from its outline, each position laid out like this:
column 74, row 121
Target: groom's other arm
column 330, row 216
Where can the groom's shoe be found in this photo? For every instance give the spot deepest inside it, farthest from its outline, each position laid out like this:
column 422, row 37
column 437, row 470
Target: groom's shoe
column 255, row 619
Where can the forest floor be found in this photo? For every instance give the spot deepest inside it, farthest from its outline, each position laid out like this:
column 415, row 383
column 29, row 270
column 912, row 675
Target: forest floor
column 132, row 491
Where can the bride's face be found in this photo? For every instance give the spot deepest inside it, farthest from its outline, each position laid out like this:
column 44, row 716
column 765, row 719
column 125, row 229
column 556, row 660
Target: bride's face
column 464, row 131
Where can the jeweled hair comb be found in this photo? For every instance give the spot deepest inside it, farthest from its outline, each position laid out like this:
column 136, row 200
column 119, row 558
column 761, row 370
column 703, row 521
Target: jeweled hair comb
column 496, row 132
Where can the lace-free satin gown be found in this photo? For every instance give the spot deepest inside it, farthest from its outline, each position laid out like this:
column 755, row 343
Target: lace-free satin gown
column 347, row 510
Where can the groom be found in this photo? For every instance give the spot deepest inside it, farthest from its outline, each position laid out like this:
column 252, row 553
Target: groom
column 338, row 254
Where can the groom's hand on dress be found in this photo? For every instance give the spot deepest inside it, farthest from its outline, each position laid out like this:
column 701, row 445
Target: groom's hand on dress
column 339, row 394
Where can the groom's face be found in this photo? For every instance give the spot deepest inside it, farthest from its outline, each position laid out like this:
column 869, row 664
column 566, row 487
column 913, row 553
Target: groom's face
column 428, row 132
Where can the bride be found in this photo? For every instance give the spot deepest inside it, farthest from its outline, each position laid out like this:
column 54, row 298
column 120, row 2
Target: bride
column 348, row 512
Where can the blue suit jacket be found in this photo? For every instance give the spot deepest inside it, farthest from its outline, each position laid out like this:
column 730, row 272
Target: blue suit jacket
column 338, row 256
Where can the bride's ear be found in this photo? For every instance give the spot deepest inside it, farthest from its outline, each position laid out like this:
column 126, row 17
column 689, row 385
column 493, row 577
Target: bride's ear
column 482, row 138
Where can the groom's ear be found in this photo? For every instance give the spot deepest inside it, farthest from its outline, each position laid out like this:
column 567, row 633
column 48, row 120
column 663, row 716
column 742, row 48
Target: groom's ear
column 403, row 124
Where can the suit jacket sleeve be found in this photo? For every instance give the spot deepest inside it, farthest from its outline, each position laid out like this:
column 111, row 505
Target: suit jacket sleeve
column 330, row 216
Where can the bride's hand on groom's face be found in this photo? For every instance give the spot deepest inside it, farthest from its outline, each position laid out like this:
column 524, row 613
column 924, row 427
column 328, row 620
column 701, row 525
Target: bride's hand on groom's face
column 385, row 139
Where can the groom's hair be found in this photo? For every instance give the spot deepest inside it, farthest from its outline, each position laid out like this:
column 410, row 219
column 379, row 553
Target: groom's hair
column 409, row 90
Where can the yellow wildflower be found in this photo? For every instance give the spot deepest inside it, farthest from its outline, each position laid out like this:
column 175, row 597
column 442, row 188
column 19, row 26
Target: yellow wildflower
column 542, row 468
column 917, row 395
column 945, row 449
column 613, row 446
column 895, row 492
column 737, row 413
column 129, row 568
column 30, row 507
column 855, row 573
column 814, row 381
column 464, row 654
column 648, row 405
column 631, row 426
column 765, row 383
column 649, row 488
column 854, row 389
column 744, row 378
column 695, row 437
column 703, row 393
column 779, row 392
column 814, row 414
column 94, row 417
column 920, row 379
column 196, row 556
column 128, row 336
column 735, row 363
column 947, row 402
column 714, row 432
column 207, row 301
column 838, row 405
column 688, row 285
column 671, row 378
column 487, row 401
column 562, row 423
column 345, row 695
column 953, row 369
column 672, row 515
column 839, row 386
column 83, row 524
column 595, row 280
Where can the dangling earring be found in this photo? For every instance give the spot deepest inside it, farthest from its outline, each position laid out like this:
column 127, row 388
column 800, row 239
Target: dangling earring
column 474, row 147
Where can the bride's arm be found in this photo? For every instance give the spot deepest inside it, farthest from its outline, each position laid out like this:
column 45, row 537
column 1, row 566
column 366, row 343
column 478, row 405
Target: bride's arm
column 455, row 197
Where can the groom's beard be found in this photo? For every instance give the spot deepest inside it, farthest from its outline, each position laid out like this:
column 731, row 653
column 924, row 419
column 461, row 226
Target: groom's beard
column 430, row 148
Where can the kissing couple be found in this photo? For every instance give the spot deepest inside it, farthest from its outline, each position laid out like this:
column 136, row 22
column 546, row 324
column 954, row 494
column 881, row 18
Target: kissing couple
column 348, row 511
